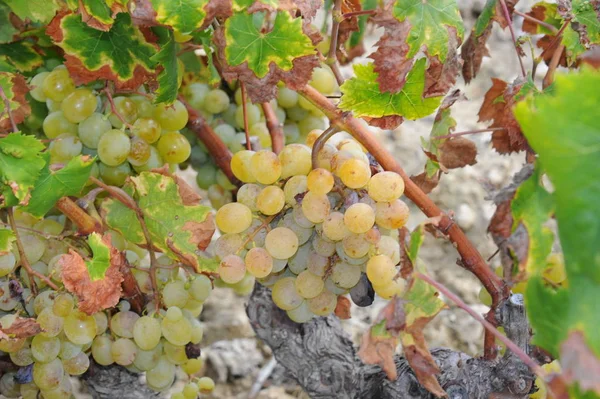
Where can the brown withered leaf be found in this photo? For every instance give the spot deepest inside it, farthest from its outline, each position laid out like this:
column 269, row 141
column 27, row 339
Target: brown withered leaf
column 20, row 328
column 422, row 363
column 440, row 77
column 406, row 265
column 189, row 196
column 18, row 88
column 342, row 308
column 592, row 57
column 98, row 294
column 497, row 107
column 347, row 26
column 115, row 8
column 385, row 122
column 142, row 13
column 426, row 184
column 579, row 364
column 201, row 232
column 457, row 152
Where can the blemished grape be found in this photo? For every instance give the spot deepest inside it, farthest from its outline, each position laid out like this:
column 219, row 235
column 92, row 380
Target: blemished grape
column 345, row 275
column 281, row 243
column 309, row 285
column 354, row 173
column 56, row 124
column 48, row 375
column 57, row 85
column 270, row 200
column 359, row 218
column 232, row 269
column 65, row 147
column 147, row 333
column 147, row 129
column 315, row 207
column 79, row 105
column 258, row 262
column 45, row 349
column 295, row 160
column 113, row 147
column 123, row 351
column 265, row 167
column 386, row 186
column 380, row 270
column 320, row 181
column 391, row 215
column 171, row 117
column 139, row 152
column 173, row 147
column 334, row 227
column 323, row 304
column 50, row 323
column 294, row 186
column 126, row 108
column 284, row 294
column 122, row 323
column 233, row 218
column 77, row 365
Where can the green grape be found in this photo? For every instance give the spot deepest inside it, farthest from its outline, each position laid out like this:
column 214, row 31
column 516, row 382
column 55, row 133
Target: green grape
column 266, row 167
column 271, row 200
column 245, row 285
column 228, row 244
column 307, row 125
column 241, row 166
column 389, row 247
column 174, row 313
column 299, row 262
column 171, row 117
column 22, row 357
column 223, row 180
column 154, row 161
column 218, row 196
column 323, row 304
column 196, row 94
column 36, row 85
column 253, row 115
column 261, row 131
column 126, row 108
column 57, row 85
column 91, row 129
column 391, row 289
column 33, row 245
column 320, row 181
column 229, row 115
column 247, row 195
column 232, row 269
column 49, row 226
column 286, row 98
column 281, row 243
column 356, row 245
column 52, row 106
column 315, row 207
column 175, row 294
column 101, row 350
column 173, row 147
column 284, row 294
column 309, row 285
column 291, row 133
column 359, row 218
column 198, row 156
column 391, row 215
column 147, row 129
column 216, row 101
column 177, row 332
column 65, row 147
column 191, row 390
column 80, row 328
column 101, row 322
column 146, row 360
column 139, row 152
column 123, row 351
column 194, row 308
column 145, row 109
column 345, row 275
column 233, row 218
column 334, row 227
column 122, row 323
column 55, row 124
column 310, row 107
column 323, row 80
column 50, row 323
column 113, row 147
column 317, row 264
column 29, row 391
column 258, row 262
column 294, row 186
column 77, row 365
column 206, row 385
column 380, row 270
column 295, row 160
column 323, row 247
column 225, row 132
column 296, row 113
column 7, row 264
column 48, row 375
column 301, row 314
column 200, row 287
column 206, row 176
column 115, row 175
column 162, row 375
column 280, row 114
column 45, row 349
column 79, row 105
column 175, row 353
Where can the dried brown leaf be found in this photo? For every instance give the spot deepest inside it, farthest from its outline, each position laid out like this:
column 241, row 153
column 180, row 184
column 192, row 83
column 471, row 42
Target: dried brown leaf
column 93, row 295
column 385, row 122
column 440, row 77
column 457, row 152
column 20, row 328
column 347, row 26
column 426, row 184
column 579, row 364
column 201, row 232
column 342, row 309
column 380, row 351
column 19, row 89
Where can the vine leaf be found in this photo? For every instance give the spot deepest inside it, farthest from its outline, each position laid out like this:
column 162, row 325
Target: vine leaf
column 568, row 153
column 96, row 281
column 54, row 184
column 205, row 38
column 6, row 239
column 21, row 55
column 20, row 165
column 100, row 14
column 578, row 363
column 15, row 88
column 20, row 328
column 166, row 58
column 261, row 60
column 7, row 30
column 362, row 96
column 35, row 10
column 184, row 16
column 179, row 233
column 354, row 46
column 122, row 55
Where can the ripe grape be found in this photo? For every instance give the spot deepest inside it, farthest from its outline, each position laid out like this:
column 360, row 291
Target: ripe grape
column 232, row 269
column 65, row 147
column 101, row 350
column 122, row 323
column 391, row 215
column 323, row 304
column 162, row 375
column 334, row 227
column 206, row 385
column 241, row 166
column 294, row 186
column 123, row 351
column 113, row 147
column 345, row 275
column 79, row 105
column 57, row 85
column 115, row 175
column 126, row 108
column 265, row 167
column 7, row 264
column 391, row 289
column 173, row 147
column 354, row 173
column 80, row 328
column 216, row 101
column 287, row 98
column 171, row 117
column 45, row 349
column 309, row 285
column 359, row 218
column 177, row 332
column 77, row 365
column 147, row 129
column 146, row 332
column 36, row 85
column 233, row 218
column 50, row 322
column 315, row 207
column 258, row 262
column 270, row 200
column 201, row 287
column 252, row 112
column 139, row 152
column 281, row 243
column 320, row 181
column 56, row 124
column 386, row 186
column 48, row 375
column 285, row 295
column 295, row 160
column 380, row 270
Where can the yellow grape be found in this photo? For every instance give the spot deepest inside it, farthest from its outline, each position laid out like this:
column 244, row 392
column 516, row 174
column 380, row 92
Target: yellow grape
column 309, row 285
column 241, row 166
column 334, row 227
column 171, row 117
column 232, row 269
column 294, row 186
column 320, row 181
column 258, row 262
column 266, row 167
column 270, row 200
column 57, row 85
column 281, row 243
column 355, row 173
column 315, row 207
column 295, row 160
column 359, row 218
column 386, row 186
column 555, row 270
column 323, row 304
column 173, row 147
column 391, row 215
column 233, row 218
column 285, row 295
column 79, row 105
column 380, row 270
column 393, row 288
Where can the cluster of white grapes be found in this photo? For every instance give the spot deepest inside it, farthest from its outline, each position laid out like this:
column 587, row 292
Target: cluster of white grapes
column 226, row 116
column 312, row 234
column 157, row 343
column 127, row 133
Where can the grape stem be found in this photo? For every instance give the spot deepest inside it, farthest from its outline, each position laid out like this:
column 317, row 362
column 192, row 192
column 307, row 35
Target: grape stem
column 275, row 128
column 264, row 224
column 245, row 113
column 489, row 129
column 471, row 259
column 336, row 17
column 8, row 111
column 130, row 203
column 24, row 261
column 320, row 142
column 554, row 61
column 215, row 146
column 84, row 222
column 113, row 109
column 512, row 34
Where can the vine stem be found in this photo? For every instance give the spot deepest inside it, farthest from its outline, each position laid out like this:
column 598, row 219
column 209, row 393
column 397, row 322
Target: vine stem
column 471, row 259
column 554, row 61
column 84, row 222
column 7, row 107
column 24, row 261
column 245, row 113
column 337, row 17
column 512, row 34
column 129, row 202
column 358, row 13
column 275, row 128
column 489, row 129
column 320, row 142
column 514, row 348
column 536, row 21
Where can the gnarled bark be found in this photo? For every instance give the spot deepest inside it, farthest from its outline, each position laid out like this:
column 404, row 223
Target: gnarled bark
column 321, row 357
column 115, row 382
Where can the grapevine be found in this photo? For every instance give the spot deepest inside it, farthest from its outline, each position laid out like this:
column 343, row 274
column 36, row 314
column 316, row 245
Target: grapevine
column 109, row 250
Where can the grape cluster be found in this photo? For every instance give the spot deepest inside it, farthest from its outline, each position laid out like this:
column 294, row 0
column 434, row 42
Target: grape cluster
column 155, row 343
column 225, row 115
column 127, row 133
column 312, row 234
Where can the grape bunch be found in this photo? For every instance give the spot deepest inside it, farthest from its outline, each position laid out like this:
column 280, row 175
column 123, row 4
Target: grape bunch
column 312, row 234
column 128, row 134
column 224, row 113
column 156, row 342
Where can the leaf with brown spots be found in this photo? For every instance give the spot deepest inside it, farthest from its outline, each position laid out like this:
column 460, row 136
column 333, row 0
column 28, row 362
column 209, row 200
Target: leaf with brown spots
column 346, row 28
column 20, row 328
column 441, row 76
column 342, row 309
column 98, row 14
column 15, row 88
column 96, row 282
column 579, row 363
column 458, row 152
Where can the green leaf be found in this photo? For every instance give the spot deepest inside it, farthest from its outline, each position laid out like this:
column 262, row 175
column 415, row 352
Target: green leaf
column 485, row 18
column 443, row 124
column 423, row 303
column 54, row 184
column 205, row 37
column 531, row 207
column 6, row 239
column 168, row 78
column 172, row 231
column 546, row 12
column 22, row 55
column 35, row 10
column 585, row 14
column 564, row 129
column 184, row 16
column 122, row 54
column 573, row 46
column 7, row 30
column 362, row 96
column 100, row 261
column 429, row 20
column 284, row 43
column 20, row 166
column 416, row 240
